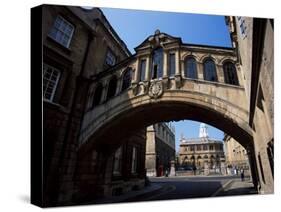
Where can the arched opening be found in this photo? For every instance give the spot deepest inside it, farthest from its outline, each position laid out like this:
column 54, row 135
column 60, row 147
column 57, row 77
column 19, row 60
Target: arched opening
column 97, row 95
column 230, row 74
column 127, row 78
column 112, row 86
column 210, row 73
column 190, row 68
column 132, row 119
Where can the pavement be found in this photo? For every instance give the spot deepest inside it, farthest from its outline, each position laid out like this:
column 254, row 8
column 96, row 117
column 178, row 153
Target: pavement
column 167, row 188
column 236, row 187
column 130, row 196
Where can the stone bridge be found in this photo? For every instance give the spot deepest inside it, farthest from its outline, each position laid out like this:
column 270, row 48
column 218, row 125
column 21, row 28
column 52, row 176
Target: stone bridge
column 167, row 80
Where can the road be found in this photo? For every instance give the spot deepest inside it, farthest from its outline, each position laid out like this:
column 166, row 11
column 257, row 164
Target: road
column 185, row 187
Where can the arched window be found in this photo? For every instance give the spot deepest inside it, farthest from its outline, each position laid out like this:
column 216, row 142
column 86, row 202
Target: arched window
column 230, row 74
column 157, row 64
column 111, row 87
column 97, row 95
column 127, row 78
column 210, row 73
column 190, row 68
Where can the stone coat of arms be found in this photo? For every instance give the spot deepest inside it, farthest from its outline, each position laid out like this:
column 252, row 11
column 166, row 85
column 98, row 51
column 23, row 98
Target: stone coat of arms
column 155, row 89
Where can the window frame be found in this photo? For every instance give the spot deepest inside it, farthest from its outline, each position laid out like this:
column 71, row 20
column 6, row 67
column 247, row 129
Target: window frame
column 108, row 52
column 55, row 85
column 118, row 158
column 186, row 67
column 209, row 60
column 128, row 84
column 226, row 71
column 64, row 33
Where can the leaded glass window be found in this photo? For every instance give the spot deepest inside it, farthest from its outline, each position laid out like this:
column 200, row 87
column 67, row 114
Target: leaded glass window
column 230, row 74
column 191, row 68
column 210, row 73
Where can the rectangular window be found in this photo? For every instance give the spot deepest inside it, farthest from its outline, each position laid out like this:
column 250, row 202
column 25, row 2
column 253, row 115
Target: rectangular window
column 62, row 31
column 242, row 26
column 142, row 70
column 50, row 81
column 134, row 160
column 110, row 58
column 172, row 64
column 192, row 148
column 117, row 167
column 205, row 147
column 211, row 147
column 198, row 147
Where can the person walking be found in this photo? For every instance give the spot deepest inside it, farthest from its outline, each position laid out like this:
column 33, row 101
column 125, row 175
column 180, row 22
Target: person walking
column 242, row 174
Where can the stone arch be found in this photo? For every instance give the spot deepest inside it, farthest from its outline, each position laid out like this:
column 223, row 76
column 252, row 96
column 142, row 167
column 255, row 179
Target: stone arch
column 143, row 111
column 226, row 59
column 208, row 56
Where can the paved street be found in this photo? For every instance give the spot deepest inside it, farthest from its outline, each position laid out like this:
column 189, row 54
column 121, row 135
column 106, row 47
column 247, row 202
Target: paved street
column 192, row 187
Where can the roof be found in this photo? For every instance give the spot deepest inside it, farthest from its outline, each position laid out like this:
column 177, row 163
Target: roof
column 200, row 141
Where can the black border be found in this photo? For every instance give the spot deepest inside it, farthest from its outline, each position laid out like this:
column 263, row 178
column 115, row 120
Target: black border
column 36, row 183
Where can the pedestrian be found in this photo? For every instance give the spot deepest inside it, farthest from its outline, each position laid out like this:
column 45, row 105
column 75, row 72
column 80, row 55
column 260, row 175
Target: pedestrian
column 166, row 173
column 242, row 175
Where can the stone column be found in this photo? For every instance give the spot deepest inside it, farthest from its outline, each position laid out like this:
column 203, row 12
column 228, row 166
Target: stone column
column 178, row 72
column 150, row 161
column 136, row 78
column 220, row 73
column 147, row 68
column 165, row 64
column 200, row 70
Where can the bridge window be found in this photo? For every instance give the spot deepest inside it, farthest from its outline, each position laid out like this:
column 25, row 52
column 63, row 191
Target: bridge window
column 172, row 64
column 142, row 69
column 112, row 87
column 127, row 78
column 50, row 80
column 230, row 74
column 210, row 73
column 157, row 64
column 190, row 68
column 97, row 95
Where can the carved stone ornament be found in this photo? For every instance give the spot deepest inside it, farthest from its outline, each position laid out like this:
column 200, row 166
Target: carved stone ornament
column 155, row 89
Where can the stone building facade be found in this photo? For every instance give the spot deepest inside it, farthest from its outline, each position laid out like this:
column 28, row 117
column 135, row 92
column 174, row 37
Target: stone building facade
column 203, row 154
column 253, row 39
column 98, row 97
column 160, row 149
column 236, row 156
column 78, row 44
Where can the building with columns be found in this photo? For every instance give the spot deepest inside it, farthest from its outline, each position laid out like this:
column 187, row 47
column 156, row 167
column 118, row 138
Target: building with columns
column 160, row 148
column 203, row 154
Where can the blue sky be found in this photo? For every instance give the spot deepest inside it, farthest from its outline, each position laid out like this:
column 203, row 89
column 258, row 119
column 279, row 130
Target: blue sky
column 134, row 26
